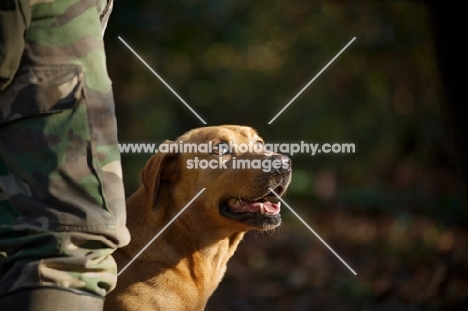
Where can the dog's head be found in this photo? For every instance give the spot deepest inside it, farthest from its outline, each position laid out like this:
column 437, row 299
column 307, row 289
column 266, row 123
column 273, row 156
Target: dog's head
column 237, row 172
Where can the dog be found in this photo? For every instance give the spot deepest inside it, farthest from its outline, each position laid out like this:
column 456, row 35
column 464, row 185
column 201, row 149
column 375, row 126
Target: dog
column 182, row 268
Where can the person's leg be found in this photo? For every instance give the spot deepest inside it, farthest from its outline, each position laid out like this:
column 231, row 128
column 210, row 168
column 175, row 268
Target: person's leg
column 61, row 168
column 14, row 20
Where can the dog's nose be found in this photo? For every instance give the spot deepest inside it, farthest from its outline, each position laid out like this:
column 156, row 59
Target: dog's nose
column 285, row 162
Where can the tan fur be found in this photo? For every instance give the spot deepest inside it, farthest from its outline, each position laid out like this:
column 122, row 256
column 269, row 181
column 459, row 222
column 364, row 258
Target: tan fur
column 182, row 267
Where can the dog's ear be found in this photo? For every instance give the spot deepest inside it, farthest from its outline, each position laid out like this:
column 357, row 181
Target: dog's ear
column 160, row 167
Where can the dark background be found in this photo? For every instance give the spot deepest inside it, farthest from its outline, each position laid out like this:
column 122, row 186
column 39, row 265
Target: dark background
column 395, row 210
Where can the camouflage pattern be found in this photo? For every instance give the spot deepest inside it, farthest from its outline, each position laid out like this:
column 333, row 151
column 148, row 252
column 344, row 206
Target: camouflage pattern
column 62, row 208
column 14, row 20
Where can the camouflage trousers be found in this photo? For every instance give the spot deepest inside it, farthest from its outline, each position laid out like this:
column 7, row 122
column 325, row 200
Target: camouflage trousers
column 62, row 204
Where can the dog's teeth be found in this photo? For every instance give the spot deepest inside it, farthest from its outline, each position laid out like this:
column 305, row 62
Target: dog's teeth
column 279, row 204
column 262, row 209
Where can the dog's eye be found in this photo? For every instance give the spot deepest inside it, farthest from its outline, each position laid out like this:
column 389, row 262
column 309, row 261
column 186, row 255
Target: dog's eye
column 258, row 146
column 221, row 149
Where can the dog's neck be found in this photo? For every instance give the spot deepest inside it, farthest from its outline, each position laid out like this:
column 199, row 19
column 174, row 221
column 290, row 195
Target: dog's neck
column 187, row 245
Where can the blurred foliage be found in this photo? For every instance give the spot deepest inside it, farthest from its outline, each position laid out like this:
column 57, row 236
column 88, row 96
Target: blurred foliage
column 240, row 62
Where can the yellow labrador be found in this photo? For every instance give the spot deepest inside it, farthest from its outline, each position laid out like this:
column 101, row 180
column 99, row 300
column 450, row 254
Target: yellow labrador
column 182, row 267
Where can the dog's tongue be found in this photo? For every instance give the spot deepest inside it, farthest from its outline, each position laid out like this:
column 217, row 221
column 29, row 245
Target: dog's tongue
column 268, row 207
column 271, row 208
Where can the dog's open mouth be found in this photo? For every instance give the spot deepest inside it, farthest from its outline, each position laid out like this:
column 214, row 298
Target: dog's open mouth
column 268, row 205
column 259, row 212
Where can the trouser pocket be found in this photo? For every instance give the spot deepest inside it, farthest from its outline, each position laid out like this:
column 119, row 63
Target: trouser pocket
column 58, row 142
